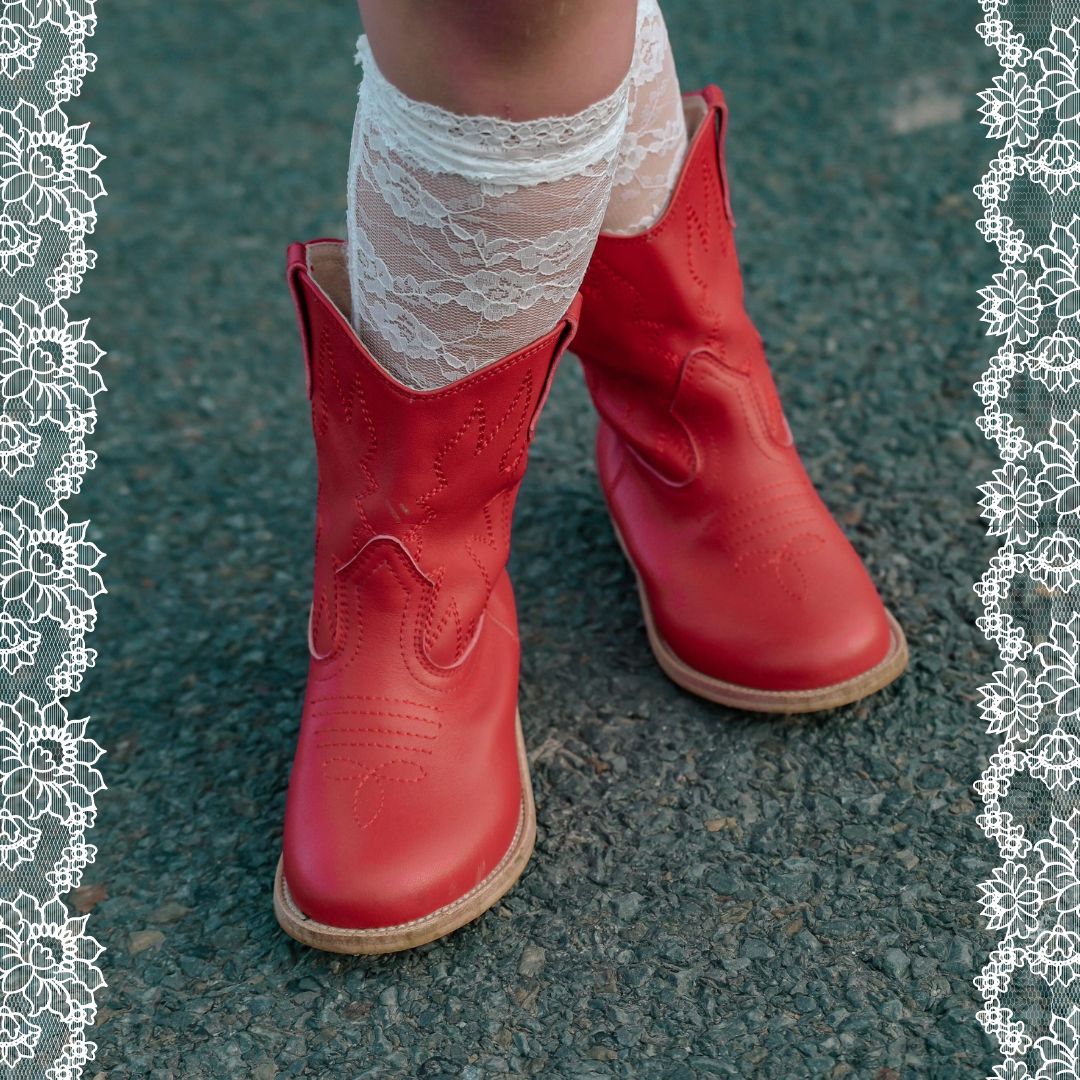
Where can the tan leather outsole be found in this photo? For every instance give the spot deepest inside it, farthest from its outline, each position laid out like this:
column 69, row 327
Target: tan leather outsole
column 772, row 701
column 387, row 939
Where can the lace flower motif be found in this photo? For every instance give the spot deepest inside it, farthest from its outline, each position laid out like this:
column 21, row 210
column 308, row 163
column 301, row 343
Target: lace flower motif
column 1055, row 164
column 47, row 960
column 1004, row 365
column 67, row 873
column 997, row 181
column 1011, row 306
column 1055, row 956
column 47, row 364
column 1055, row 361
column 47, row 167
column 66, row 279
column 66, row 81
column 1011, row 109
column 76, row 462
column 1010, row 504
column 1011, row 704
column 47, row 566
column 1054, row 561
column 74, row 1056
column 1010, row 901
column 66, row 679
column 47, row 763
column 1055, row 760
column 1010, row 45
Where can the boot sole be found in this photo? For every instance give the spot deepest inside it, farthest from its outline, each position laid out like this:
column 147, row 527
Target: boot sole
column 750, row 698
column 451, row 917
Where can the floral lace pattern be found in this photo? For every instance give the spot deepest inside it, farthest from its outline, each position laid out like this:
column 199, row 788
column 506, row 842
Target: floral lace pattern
column 49, row 581
column 654, row 145
column 1030, row 591
column 468, row 236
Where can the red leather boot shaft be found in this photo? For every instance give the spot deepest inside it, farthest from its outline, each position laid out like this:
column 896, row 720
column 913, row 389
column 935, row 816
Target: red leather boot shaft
column 405, row 792
column 748, row 578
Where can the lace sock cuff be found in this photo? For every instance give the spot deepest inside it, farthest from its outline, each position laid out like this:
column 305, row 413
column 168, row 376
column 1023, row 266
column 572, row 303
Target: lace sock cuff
column 468, row 236
column 505, row 152
column 655, row 142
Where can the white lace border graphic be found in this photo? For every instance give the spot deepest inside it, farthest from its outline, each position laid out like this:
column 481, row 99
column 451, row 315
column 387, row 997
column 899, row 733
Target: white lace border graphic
column 49, row 584
column 1029, row 195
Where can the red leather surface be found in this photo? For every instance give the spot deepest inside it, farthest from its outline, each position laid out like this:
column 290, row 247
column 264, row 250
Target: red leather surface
column 405, row 790
column 748, row 577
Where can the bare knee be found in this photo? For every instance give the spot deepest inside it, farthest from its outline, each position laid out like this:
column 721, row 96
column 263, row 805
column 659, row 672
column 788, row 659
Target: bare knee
column 513, row 58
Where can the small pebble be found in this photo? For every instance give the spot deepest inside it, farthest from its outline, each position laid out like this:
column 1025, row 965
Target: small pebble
column 718, row 823
column 531, row 962
column 142, row 940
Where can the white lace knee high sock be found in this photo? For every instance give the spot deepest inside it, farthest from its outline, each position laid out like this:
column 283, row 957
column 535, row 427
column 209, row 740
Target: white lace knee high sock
column 655, row 142
column 468, row 236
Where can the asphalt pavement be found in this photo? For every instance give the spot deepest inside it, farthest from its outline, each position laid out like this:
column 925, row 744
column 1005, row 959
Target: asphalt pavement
column 713, row 894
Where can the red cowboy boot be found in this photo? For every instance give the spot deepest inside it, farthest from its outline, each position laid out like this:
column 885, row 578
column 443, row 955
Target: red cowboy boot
column 410, row 808
column 752, row 595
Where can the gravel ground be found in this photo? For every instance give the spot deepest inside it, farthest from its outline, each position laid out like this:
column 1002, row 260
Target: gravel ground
column 712, row 894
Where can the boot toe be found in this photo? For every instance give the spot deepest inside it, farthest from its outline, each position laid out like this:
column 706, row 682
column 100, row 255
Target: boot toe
column 770, row 637
column 844, row 642
column 381, row 883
